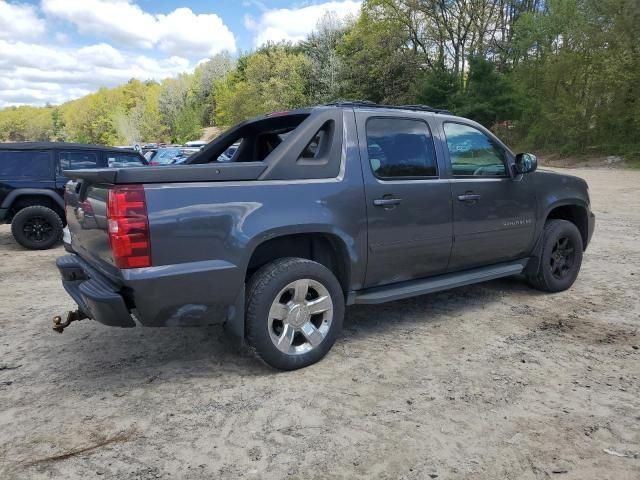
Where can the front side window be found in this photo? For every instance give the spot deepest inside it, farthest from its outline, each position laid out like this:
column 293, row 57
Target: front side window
column 400, row 148
column 78, row 160
column 473, row 153
column 25, row 164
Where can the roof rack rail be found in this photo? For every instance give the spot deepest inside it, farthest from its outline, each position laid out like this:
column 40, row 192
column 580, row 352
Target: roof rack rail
column 425, row 108
column 351, row 103
column 368, row 104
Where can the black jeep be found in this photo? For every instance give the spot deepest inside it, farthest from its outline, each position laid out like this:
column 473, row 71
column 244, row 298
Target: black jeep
column 32, row 185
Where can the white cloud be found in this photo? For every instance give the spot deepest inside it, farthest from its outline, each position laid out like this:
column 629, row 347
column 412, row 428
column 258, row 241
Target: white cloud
column 293, row 24
column 40, row 64
column 20, row 21
column 100, row 55
column 181, row 32
column 204, row 34
column 37, row 74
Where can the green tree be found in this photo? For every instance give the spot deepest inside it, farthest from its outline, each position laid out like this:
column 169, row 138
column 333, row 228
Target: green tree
column 57, row 125
column 438, row 88
column 325, row 76
column 204, row 78
column 377, row 65
column 566, row 71
column 579, row 69
column 489, row 96
column 272, row 79
column 152, row 128
column 188, row 124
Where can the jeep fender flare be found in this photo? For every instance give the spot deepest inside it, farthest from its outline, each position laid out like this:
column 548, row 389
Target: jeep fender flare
column 19, row 192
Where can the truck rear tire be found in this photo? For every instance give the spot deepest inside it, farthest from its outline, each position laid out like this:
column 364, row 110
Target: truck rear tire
column 294, row 312
column 37, row 227
column 561, row 257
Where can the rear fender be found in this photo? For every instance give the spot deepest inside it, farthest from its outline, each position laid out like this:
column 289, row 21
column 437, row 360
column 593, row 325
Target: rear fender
column 347, row 242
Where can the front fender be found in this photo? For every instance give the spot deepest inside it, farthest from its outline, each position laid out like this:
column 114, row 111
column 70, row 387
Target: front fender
column 555, row 190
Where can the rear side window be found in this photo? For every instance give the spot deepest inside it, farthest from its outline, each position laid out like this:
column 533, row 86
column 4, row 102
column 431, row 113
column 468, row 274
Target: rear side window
column 25, row 164
column 123, row 160
column 78, row 160
column 229, row 154
column 319, row 147
column 400, row 148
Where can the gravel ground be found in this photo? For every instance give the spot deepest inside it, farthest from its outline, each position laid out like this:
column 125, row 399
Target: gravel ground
column 484, row 382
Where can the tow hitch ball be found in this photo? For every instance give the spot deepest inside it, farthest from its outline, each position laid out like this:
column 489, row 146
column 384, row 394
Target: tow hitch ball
column 59, row 325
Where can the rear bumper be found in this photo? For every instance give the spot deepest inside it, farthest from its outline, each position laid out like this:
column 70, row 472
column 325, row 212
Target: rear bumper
column 96, row 296
column 191, row 294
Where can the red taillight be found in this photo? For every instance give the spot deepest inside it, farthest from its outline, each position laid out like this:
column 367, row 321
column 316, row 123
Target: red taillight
column 129, row 227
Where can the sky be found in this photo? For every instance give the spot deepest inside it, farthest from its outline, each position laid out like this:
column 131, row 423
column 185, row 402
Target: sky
column 52, row 51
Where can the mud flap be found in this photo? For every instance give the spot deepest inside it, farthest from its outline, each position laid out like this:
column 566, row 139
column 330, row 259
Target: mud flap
column 533, row 265
column 234, row 325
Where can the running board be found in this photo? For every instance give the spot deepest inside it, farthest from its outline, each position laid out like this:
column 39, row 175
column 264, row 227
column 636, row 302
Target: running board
column 413, row 288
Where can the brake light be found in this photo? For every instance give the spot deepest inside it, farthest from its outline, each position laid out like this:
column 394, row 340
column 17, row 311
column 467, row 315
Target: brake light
column 129, row 227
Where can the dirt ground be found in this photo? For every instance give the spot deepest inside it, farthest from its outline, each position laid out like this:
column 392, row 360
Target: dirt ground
column 493, row 381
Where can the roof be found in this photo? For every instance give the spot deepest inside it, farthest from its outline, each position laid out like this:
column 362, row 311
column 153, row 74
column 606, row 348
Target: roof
column 367, row 104
column 59, row 146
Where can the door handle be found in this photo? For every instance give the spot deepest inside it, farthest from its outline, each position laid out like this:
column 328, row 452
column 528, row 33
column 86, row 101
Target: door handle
column 386, row 202
column 469, row 197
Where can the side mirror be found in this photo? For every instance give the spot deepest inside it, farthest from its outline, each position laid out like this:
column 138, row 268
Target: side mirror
column 525, row 163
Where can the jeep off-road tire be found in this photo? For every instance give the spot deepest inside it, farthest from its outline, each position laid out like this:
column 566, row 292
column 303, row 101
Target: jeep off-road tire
column 294, row 312
column 560, row 257
column 37, row 227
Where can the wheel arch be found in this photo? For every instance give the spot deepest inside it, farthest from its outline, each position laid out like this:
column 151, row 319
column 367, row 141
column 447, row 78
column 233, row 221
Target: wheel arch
column 571, row 211
column 574, row 212
column 323, row 246
column 24, row 197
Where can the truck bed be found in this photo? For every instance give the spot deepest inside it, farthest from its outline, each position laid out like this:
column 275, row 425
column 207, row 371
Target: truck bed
column 212, row 172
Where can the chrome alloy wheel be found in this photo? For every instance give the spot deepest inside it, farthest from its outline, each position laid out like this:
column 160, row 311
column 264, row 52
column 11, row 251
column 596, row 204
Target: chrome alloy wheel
column 300, row 316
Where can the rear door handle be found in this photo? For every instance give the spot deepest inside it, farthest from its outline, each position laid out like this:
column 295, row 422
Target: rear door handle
column 386, row 202
column 469, row 197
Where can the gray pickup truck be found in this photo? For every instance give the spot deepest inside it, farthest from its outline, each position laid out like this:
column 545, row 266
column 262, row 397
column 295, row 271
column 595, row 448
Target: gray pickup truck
column 349, row 203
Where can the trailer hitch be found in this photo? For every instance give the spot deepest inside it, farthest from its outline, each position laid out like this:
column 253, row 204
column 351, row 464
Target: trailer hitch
column 59, row 325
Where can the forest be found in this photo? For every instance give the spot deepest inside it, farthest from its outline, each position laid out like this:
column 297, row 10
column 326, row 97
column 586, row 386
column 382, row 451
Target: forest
column 558, row 76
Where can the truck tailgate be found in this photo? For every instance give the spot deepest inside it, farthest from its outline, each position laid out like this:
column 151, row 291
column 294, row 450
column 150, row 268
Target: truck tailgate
column 86, row 211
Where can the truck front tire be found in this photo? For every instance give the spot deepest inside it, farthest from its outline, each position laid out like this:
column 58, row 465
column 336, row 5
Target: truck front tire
column 560, row 257
column 37, row 227
column 294, row 312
